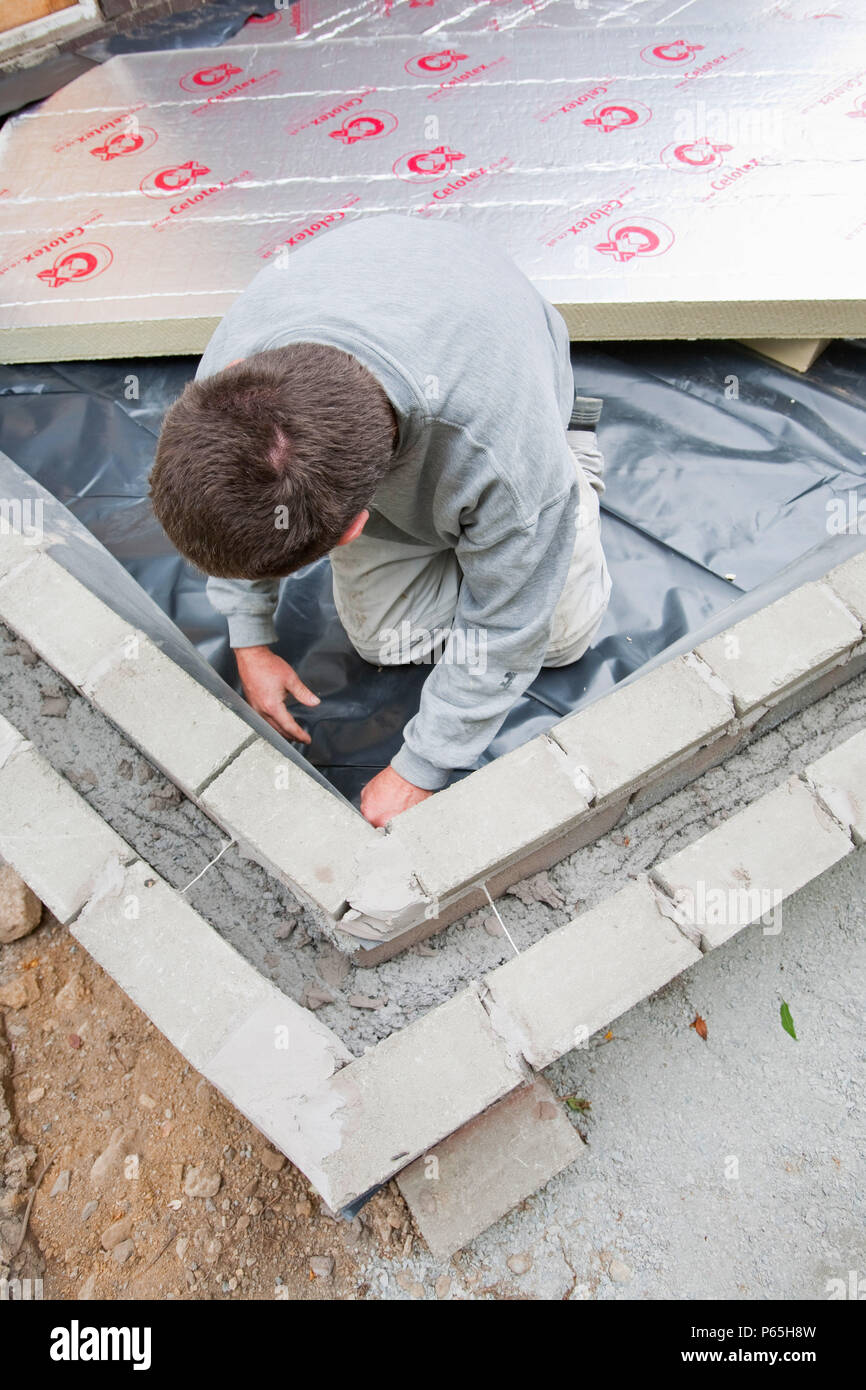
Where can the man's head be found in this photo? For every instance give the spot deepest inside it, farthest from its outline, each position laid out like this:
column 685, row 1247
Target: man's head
column 266, row 465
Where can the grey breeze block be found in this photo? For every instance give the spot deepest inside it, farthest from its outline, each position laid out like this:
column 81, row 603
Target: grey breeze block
column 742, row 870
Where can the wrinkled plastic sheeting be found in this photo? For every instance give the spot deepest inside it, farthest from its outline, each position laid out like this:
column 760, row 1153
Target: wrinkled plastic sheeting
column 26, row 503
column 718, row 464
column 701, row 183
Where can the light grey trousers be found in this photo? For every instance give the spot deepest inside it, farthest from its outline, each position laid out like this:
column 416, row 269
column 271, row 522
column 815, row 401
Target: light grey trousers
column 384, row 587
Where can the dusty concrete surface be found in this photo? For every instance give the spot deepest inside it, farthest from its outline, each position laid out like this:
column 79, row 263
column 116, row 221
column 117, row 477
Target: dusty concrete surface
column 725, row 1167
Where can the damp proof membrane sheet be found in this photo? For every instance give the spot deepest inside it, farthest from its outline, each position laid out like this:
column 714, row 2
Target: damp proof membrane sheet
column 725, row 473
column 653, row 180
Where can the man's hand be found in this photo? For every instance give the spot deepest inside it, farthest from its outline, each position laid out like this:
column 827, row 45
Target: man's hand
column 387, row 795
column 267, row 680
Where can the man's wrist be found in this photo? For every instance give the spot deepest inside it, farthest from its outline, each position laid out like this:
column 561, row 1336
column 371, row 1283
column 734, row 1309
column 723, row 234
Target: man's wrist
column 417, row 770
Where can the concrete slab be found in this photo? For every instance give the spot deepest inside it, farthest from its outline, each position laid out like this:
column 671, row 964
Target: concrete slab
column 195, row 988
column 577, row 980
column 742, row 871
column 48, row 833
column 848, row 580
column 59, row 618
column 181, row 727
column 767, row 655
column 839, row 778
column 415, row 1088
column 502, row 812
column 290, row 824
column 477, row 1175
column 644, row 728
column 16, row 544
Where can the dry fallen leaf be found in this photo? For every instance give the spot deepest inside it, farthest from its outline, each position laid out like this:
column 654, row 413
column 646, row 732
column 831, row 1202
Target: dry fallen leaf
column 700, row 1026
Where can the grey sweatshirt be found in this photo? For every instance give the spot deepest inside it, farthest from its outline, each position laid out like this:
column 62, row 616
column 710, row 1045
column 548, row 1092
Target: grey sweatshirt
column 476, row 365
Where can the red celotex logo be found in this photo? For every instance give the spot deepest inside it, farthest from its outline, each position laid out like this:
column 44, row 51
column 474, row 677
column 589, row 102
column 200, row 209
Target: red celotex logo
column 614, row 116
column 627, row 239
column 203, row 79
column 431, row 64
column 163, row 183
column 697, row 155
column 369, row 126
column 126, row 142
column 859, row 107
column 421, row 165
column 83, row 263
column 662, row 54
column 264, row 19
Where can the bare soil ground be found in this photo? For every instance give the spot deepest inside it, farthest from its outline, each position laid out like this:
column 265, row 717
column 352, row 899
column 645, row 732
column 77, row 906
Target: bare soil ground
column 114, row 1125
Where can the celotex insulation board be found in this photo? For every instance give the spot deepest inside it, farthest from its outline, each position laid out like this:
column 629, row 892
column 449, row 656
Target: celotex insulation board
column 654, row 181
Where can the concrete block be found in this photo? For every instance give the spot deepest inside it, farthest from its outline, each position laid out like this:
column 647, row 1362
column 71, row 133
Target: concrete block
column 292, row 825
column 490, row 1165
column 501, row 813
column 743, row 870
column 848, row 580
column 16, row 546
column 60, row 619
column 49, row 834
column 641, row 729
column 839, row 778
column 178, row 724
column 567, row 986
column 412, row 1090
column 589, row 828
column 196, row 989
column 11, row 740
column 772, row 652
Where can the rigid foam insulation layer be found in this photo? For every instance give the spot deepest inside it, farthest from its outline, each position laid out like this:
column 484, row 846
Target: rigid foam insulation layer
column 647, row 181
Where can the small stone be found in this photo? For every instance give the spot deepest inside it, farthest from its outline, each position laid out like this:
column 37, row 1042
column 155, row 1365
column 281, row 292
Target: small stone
column 620, row 1272
column 117, row 1232
column 273, row 1161
column 332, row 966
column 422, row 949
column 146, row 1102
column 242, row 1223
column 88, row 1289
column 314, row 997
column 34, row 1096
column 364, row 1001
column 74, row 1040
column 493, row 926
column 20, row 909
column 303, row 1208
column 417, row 1290
column 202, row 1182
column 285, row 929
column 322, row 1266
column 20, row 992
column 125, row 769
column 122, row 1252
column 519, row 1264
column 181, row 1246
column 443, row 1286
column 87, row 1211
column 54, row 706
column 61, row 1183
column 71, row 995
column 256, row 1206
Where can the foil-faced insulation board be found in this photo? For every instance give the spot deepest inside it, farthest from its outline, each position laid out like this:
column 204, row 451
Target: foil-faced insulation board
column 654, row 183
column 330, row 19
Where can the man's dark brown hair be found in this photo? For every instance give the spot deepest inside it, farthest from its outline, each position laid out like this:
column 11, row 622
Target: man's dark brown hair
column 262, row 467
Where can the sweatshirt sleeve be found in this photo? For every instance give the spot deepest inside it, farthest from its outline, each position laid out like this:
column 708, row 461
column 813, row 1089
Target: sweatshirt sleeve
column 249, row 605
column 512, row 581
